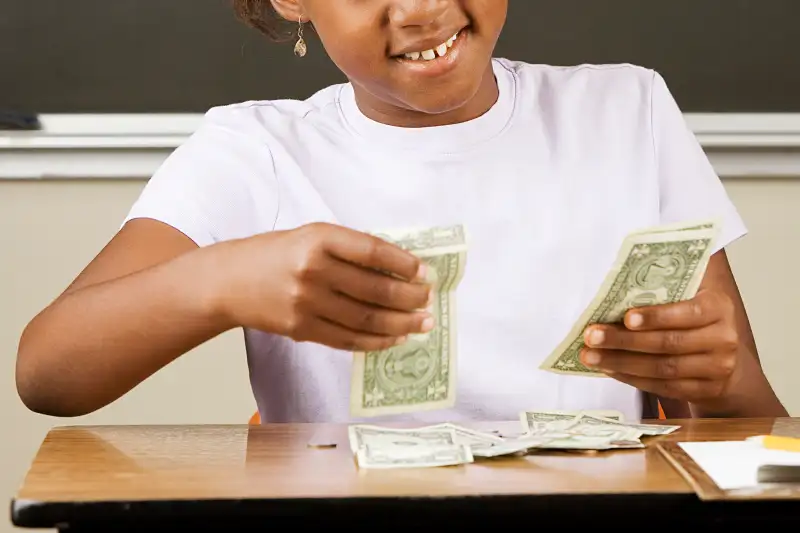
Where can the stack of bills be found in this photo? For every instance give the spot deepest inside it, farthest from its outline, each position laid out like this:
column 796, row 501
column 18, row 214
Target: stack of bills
column 450, row 444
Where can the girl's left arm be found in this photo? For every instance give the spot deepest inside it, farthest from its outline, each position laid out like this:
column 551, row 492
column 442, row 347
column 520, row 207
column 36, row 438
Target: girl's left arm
column 749, row 391
column 699, row 351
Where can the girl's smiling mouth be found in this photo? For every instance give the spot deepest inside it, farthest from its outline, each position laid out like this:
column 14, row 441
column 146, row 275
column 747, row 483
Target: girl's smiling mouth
column 427, row 58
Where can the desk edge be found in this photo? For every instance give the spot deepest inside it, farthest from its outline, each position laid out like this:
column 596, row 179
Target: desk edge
column 26, row 513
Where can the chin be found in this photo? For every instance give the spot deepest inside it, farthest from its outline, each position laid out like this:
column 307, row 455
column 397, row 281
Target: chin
column 436, row 102
column 439, row 106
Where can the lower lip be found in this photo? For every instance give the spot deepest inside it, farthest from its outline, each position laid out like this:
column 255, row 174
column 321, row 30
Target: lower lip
column 440, row 65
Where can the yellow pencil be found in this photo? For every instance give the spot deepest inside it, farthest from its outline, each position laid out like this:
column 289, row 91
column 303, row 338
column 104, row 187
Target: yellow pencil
column 774, row 442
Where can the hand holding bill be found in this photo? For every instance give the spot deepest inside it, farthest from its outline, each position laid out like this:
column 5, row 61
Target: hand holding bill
column 687, row 350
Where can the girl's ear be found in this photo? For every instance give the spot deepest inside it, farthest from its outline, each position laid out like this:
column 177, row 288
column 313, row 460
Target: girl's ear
column 291, row 10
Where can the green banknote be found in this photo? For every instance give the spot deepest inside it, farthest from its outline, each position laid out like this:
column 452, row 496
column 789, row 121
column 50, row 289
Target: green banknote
column 419, row 375
column 655, row 266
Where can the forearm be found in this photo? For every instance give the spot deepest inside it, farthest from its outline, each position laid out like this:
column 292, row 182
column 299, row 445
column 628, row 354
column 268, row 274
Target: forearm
column 96, row 343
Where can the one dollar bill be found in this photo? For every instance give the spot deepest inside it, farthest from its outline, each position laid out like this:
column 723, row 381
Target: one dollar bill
column 389, row 448
column 419, row 375
column 655, row 266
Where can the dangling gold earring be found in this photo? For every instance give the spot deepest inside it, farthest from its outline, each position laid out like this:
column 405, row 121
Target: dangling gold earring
column 300, row 48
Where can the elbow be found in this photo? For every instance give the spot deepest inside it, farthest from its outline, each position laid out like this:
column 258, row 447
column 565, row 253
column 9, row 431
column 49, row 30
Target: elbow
column 39, row 389
column 46, row 403
column 40, row 405
column 36, row 398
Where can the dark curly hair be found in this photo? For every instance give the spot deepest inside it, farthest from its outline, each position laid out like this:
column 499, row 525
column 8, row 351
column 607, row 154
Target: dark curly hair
column 261, row 15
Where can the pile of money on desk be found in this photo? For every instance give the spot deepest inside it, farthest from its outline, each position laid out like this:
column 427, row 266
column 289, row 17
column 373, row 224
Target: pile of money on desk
column 450, row 444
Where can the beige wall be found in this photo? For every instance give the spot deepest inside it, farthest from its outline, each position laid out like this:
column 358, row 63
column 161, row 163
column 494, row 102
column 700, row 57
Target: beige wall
column 50, row 229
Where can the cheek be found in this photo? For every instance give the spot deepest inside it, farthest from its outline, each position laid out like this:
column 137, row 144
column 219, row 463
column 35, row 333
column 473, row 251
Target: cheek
column 357, row 55
column 488, row 15
column 358, row 64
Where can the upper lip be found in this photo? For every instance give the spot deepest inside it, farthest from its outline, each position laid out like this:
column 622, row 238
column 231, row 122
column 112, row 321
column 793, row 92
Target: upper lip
column 428, row 43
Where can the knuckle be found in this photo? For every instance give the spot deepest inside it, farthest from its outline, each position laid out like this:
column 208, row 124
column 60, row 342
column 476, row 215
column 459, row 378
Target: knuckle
column 312, row 235
column 407, row 296
column 385, row 344
column 370, row 344
column 716, row 389
column 708, row 297
column 696, row 309
column 667, row 368
column 385, row 290
column 727, row 365
column 415, row 263
column 307, row 266
column 293, row 325
column 730, row 340
column 721, row 301
column 304, row 268
column 672, row 388
column 351, row 344
column 421, row 295
column 315, row 230
column 294, row 318
column 378, row 344
column 672, row 341
column 297, row 296
column 368, row 319
column 724, row 301
column 611, row 337
column 372, row 249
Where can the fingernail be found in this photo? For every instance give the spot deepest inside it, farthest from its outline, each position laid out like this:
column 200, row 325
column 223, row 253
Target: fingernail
column 592, row 358
column 635, row 320
column 422, row 272
column 401, row 340
column 427, row 324
column 431, row 296
column 596, row 337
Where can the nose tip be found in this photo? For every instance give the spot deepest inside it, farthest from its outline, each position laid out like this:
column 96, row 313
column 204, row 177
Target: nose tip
column 417, row 12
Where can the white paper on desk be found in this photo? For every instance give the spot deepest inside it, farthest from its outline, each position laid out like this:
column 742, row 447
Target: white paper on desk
column 734, row 464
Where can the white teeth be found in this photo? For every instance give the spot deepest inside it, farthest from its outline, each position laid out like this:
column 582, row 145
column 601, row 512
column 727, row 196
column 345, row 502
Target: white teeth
column 433, row 53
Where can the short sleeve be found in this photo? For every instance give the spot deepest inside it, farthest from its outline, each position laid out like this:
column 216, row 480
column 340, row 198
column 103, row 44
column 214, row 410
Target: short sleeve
column 689, row 188
column 217, row 186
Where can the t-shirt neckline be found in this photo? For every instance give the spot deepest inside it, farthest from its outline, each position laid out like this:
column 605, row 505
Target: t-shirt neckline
column 449, row 138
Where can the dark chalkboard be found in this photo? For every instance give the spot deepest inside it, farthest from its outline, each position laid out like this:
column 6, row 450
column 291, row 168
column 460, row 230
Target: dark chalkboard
column 188, row 55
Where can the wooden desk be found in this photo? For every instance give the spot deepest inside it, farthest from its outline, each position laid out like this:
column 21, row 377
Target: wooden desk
column 233, row 477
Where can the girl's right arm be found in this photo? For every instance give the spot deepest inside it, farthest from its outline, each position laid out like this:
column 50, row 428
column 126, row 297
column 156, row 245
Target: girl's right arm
column 152, row 295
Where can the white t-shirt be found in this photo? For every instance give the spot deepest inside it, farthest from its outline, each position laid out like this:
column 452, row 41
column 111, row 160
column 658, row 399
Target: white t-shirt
column 548, row 183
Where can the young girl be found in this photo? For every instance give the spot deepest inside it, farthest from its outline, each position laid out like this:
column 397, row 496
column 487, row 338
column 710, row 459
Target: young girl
column 260, row 222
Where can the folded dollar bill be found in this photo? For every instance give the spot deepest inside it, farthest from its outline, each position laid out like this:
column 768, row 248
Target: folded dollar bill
column 654, row 266
column 419, row 375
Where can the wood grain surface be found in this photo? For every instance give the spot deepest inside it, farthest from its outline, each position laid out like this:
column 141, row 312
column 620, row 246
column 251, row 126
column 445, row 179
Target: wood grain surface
column 151, row 463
